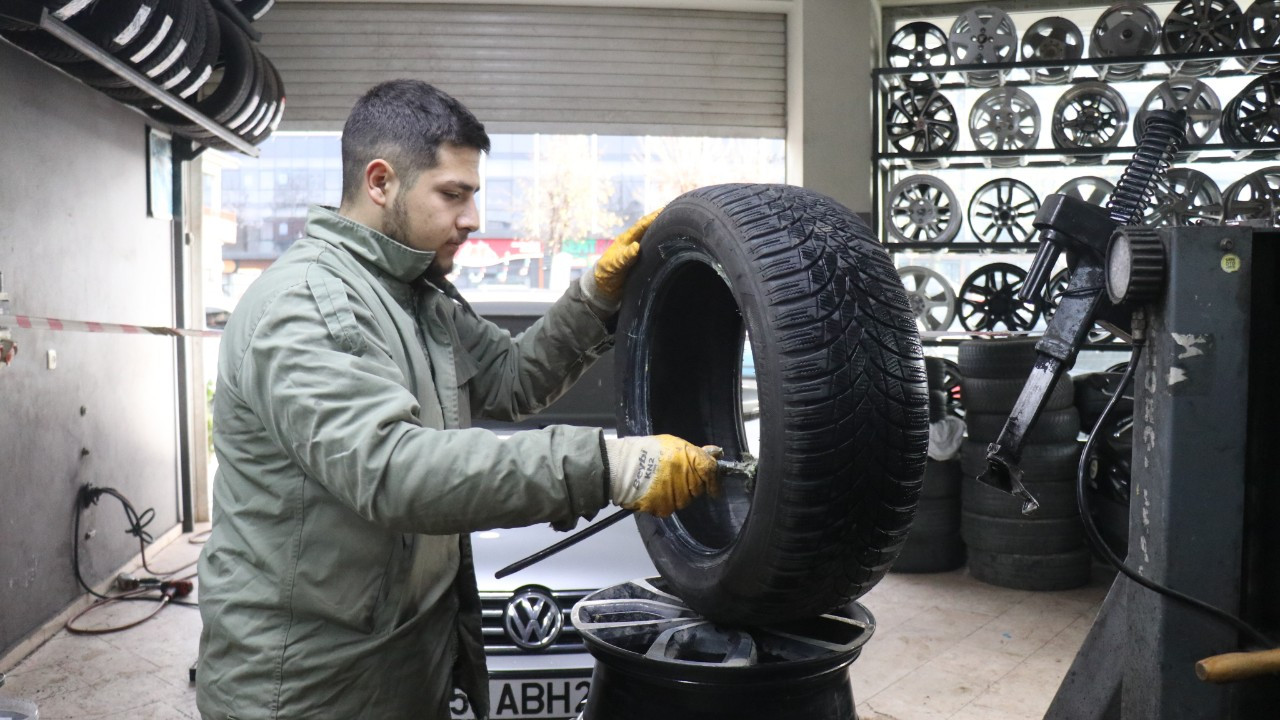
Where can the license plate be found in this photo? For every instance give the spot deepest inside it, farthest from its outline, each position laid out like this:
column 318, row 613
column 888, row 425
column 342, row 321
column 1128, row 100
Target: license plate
column 528, row 698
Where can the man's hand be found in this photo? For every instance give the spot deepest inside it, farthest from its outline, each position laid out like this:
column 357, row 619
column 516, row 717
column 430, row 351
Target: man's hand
column 659, row 474
column 612, row 267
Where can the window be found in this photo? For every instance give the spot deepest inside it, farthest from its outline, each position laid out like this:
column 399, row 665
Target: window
column 528, row 240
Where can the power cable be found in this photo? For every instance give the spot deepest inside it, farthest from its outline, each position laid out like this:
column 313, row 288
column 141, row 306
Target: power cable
column 1095, row 538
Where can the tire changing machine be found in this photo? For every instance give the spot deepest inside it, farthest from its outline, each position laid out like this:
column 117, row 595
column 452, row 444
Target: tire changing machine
column 1205, row 485
column 655, row 657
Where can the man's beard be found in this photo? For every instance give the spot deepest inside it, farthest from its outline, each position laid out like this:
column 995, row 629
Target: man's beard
column 396, row 223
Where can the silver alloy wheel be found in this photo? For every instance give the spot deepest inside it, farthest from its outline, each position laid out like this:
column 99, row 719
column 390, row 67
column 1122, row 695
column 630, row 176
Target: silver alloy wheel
column 1254, row 199
column 1002, row 211
column 1126, row 29
column 1052, row 38
column 921, row 46
column 1201, row 26
column 1262, row 32
column 641, row 618
column 1195, row 98
column 1253, row 115
column 1186, row 197
column 983, row 35
column 930, row 296
column 922, row 121
column 1004, row 119
column 921, row 208
column 988, row 300
column 1090, row 189
column 1090, row 114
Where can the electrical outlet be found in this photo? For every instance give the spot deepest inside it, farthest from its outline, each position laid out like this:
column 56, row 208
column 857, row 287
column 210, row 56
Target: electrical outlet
column 51, row 358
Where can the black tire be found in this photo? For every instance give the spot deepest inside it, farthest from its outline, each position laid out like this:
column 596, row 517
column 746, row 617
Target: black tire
column 930, row 554
column 1093, row 392
column 843, row 400
column 255, row 9
column 114, row 25
column 986, row 395
column 1025, row 536
column 172, row 62
column 953, row 386
column 937, row 405
column 273, row 121
column 45, row 46
column 1058, row 571
column 997, row 358
column 1053, row 426
column 1056, row 462
column 941, row 479
column 937, row 516
column 203, row 66
column 935, row 371
column 1057, row 500
column 239, row 71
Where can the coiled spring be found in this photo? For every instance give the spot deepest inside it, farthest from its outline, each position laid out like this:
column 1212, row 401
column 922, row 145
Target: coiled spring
column 1164, row 133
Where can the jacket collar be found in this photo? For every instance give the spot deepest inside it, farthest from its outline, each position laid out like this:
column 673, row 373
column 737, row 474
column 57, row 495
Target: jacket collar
column 397, row 260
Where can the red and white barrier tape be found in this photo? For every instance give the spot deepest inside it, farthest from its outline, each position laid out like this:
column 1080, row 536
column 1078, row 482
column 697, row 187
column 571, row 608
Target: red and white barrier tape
column 30, row 322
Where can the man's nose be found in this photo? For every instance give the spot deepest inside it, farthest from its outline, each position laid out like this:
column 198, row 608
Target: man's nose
column 469, row 220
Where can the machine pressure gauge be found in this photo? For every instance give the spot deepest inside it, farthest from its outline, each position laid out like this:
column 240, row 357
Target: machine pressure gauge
column 1135, row 265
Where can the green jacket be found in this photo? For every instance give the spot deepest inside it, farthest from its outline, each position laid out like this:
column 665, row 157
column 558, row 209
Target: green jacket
column 337, row 581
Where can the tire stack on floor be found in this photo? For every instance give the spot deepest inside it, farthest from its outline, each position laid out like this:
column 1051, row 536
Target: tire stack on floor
column 1045, row 550
column 934, row 544
column 185, row 47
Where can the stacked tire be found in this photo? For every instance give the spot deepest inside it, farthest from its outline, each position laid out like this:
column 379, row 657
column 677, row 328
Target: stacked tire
column 176, row 44
column 934, row 544
column 1045, row 550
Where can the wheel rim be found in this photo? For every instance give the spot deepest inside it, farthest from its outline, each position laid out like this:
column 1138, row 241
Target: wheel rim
column 1255, row 199
column 1262, row 32
column 930, row 296
column 701, row 381
column 1005, row 119
column 1090, row 189
column 922, row 121
column 640, row 621
column 1186, row 197
column 1254, row 115
column 983, row 35
column 1091, row 114
column 1124, row 30
column 1191, row 96
column 988, row 300
column 1052, row 38
column 923, row 209
column 1002, row 211
column 923, row 46
column 1195, row 26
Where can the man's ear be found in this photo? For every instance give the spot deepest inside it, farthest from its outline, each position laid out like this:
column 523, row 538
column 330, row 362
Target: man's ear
column 380, row 182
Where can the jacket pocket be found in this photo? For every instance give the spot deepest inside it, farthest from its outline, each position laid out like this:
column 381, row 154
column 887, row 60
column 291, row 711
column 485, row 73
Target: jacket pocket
column 331, row 297
column 343, row 565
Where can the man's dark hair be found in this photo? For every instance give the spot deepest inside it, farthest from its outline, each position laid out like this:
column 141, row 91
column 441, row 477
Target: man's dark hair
column 404, row 122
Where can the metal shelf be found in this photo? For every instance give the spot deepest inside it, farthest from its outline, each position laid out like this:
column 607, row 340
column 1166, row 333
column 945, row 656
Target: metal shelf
column 962, row 247
column 59, row 30
column 1056, row 157
column 888, row 75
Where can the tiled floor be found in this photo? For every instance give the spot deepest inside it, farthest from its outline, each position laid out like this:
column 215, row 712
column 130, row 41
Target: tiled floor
column 946, row 646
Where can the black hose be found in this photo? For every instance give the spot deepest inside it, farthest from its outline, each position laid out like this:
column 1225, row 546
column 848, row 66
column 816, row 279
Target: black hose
column 1101, row 547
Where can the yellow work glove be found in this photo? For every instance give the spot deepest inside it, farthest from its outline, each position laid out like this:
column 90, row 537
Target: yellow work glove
column 659, row 474
column 611, row 269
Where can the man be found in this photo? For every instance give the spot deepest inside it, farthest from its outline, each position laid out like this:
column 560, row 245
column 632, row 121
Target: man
column 337, row 581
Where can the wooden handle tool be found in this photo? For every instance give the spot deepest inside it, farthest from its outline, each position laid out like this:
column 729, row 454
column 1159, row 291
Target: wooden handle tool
column 1232, row 667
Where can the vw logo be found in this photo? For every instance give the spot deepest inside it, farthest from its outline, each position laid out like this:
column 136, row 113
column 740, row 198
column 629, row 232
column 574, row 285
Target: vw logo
column 533, row 619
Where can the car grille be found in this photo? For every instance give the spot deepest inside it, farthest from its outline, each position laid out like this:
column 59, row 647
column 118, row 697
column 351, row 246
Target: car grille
column 493, row 607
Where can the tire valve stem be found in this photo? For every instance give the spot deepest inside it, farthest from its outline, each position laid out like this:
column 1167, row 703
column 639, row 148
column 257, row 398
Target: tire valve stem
column 1163, row 134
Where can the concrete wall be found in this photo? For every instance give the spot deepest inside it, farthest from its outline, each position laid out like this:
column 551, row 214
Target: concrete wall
column 76, row 242
column 831, row 129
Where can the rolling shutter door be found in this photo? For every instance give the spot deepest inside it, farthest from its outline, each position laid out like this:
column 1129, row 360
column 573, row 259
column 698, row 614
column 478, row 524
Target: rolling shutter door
column 525, row 69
